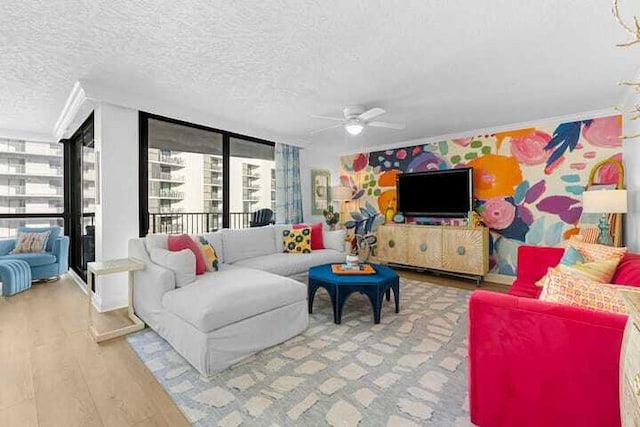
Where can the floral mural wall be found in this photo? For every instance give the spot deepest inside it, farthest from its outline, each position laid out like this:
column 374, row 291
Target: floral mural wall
column 527, row 182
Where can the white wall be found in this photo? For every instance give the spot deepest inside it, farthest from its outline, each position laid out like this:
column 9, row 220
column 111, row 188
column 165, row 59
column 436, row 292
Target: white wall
column 116, row 139
column 316, row 158
column 631, row 158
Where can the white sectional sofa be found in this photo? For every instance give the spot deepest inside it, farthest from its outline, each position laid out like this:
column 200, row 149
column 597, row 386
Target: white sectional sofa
column 253, row 302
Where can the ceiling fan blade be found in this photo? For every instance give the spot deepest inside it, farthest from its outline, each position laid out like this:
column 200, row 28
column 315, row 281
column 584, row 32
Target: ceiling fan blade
column 398, row 126
column 327, row 128
column 371, row 114
column 340, row 119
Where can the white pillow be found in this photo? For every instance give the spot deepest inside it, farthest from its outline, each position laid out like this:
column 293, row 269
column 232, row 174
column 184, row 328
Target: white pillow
column 153, row 241
column 182, row 263
column 334, row 239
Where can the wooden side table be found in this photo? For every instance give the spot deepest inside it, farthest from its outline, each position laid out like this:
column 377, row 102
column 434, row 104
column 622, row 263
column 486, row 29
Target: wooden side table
column 630, row 363
column 103, row 268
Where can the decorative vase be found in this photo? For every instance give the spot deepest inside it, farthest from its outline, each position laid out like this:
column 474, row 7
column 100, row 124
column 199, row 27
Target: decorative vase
column 352, row 260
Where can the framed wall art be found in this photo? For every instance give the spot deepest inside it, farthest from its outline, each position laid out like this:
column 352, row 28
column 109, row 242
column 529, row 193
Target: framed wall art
column 320, row 189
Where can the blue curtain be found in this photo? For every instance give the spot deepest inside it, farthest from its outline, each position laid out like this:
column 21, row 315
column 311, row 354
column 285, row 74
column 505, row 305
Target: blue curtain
column 288, row 192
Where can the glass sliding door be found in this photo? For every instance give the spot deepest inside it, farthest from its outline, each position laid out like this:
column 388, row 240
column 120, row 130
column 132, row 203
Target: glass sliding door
column 195, row 179
column 251, row 180
column 184, row 174
column 31, row 185
column 82, row 197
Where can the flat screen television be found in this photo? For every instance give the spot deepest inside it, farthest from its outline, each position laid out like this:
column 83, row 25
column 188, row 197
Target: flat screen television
column 441, row 193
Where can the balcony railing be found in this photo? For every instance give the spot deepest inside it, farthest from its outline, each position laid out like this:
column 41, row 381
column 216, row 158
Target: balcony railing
column 36, row 150
column 195, row 222
column 213, row 166
column 166, row 176
column 162, row 158
column 167, row 194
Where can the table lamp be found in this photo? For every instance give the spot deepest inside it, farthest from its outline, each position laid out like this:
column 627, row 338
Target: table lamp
column 341, row 194
column 604, row 202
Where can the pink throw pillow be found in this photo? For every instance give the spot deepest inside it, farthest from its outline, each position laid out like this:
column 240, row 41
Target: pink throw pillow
column 183, row 241
column 316, row 234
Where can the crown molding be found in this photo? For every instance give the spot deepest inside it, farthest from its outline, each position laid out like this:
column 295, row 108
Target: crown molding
column 475, row 132
column 75, row 111
column 175, row 110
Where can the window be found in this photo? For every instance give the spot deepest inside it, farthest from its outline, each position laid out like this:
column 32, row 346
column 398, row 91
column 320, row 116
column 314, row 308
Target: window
column 31, row 185
column 195, row 179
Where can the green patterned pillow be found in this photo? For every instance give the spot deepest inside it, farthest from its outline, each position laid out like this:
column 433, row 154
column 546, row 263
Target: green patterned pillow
column 297, row 241
column 209, row 254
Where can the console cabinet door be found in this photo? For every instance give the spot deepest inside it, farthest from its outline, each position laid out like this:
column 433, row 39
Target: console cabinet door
column 463, row 250
column 392, row 244
column 425, row 247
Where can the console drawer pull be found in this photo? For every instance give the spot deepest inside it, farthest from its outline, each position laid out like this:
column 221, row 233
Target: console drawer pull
column 423, row 247
column 391, row 243
column 461, row 250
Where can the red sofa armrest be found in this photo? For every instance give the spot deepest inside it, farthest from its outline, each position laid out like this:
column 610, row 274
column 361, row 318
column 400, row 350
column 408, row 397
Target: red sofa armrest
column 533, row 263
column 534, row 363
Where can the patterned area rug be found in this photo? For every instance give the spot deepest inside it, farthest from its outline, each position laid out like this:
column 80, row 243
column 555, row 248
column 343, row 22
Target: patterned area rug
column 409, row 370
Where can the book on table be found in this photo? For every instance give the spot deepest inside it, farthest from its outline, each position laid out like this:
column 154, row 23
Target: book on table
column 352, row 269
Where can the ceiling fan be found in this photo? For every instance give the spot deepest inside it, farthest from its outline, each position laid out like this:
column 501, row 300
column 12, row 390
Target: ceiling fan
column 356, row 117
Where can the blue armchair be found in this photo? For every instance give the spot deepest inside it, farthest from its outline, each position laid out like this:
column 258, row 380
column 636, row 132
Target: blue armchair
column 53, row 262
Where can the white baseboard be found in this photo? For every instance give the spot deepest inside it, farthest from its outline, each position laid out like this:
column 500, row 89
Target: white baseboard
column 502, row 279
column 96, row 301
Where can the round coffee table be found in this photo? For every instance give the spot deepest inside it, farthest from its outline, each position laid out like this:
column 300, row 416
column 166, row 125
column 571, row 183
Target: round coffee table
column 340, row 286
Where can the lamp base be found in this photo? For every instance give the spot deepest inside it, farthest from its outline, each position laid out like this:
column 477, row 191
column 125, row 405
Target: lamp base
column 604, row 238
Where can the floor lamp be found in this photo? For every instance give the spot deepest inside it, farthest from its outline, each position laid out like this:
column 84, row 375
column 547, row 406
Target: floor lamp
column 604, row 202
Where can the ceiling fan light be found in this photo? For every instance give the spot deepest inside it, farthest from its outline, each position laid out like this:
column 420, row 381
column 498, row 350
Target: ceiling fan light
column 354, row 127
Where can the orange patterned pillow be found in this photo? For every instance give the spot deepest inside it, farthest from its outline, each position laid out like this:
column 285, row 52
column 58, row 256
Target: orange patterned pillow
column 594, row 252
column 571, row 290
column 598, row 271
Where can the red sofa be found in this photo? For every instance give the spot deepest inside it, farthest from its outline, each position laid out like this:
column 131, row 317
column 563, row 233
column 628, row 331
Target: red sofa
column 535, row 363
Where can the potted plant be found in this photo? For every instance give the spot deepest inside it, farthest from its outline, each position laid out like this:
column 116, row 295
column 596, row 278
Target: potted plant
column 331, row 217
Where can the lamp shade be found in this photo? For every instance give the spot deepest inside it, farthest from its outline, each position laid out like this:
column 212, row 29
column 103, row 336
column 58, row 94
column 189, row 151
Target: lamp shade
column 340, row 193
column 604, row 201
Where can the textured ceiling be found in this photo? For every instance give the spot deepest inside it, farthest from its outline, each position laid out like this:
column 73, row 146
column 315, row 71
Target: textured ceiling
column 439, row 66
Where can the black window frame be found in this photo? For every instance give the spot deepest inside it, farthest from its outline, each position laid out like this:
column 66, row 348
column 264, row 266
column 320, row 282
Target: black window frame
column 143, row 164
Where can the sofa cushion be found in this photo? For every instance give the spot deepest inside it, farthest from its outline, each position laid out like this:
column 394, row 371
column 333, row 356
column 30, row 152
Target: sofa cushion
column 181, row 263
column 628, row 272
column 156, row 241
column 596, row 252
column 215, row 240
column 30, row 242
column 579, row 292
column 208, row 253
column 297, row 241
column 219, row 299
column 34, row 259
column 247, row 243
column 277, row 235
column 334, row 239
column 183, row 241
column 316, row 234
column 285, row 264
column 54, row 233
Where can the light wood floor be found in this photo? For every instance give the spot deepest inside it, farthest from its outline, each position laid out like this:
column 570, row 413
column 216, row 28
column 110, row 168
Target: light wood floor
column 53, row 374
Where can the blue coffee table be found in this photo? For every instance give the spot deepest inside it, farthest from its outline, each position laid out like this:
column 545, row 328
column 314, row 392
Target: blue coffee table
column 339, row 287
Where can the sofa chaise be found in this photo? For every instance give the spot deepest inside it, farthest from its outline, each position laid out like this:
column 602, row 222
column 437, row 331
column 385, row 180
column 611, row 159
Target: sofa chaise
column 253, row 302
column 538, row 363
